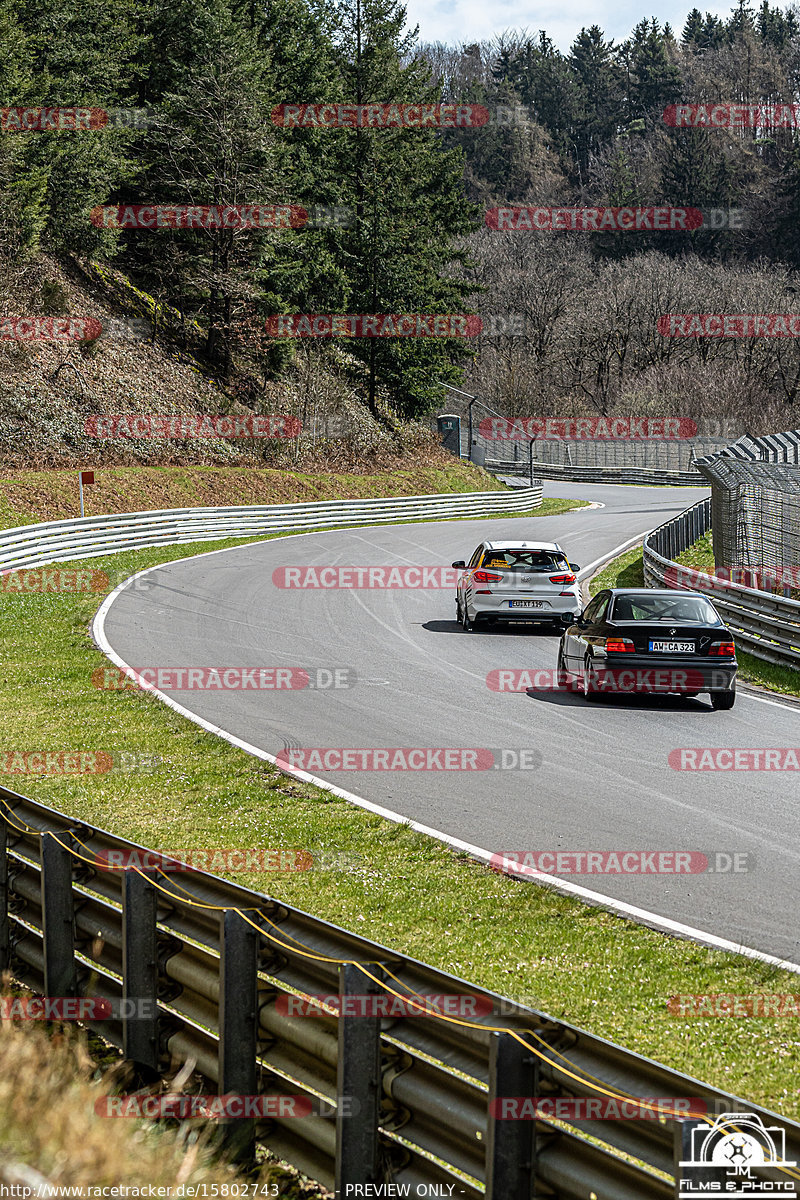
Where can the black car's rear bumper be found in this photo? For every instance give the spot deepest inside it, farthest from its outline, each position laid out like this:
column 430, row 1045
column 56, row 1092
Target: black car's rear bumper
column 645, row 673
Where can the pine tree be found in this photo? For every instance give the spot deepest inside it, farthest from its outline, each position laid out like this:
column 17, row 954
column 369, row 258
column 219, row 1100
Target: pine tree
column 213, row 146
column 693, row 30
column 89, row 53
column 602, row 91
column 713, row 32
column 23, row 208
column 406, row 191
column 654, row 80
column 546, row 83
column 741, row 20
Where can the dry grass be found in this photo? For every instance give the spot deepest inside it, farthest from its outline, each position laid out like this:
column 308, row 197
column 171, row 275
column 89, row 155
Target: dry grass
column 29, row 496
column 48, row 1088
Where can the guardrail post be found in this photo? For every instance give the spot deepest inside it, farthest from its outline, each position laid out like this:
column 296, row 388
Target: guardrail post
column 510, row 1143
column 58, row 918
column 238, row 1025
column 5, row 939
column 682, row 1151
column 358, row 1086
column 140, row 973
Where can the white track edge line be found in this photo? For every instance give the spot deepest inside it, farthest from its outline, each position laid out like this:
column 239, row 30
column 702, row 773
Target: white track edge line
column 663, row 924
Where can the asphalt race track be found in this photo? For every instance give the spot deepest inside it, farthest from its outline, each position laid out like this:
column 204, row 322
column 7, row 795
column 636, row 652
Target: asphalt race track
column 603, row 782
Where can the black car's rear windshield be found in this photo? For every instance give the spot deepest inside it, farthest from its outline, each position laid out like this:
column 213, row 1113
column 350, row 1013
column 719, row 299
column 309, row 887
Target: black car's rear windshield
column 525, row 560
column 686, row 610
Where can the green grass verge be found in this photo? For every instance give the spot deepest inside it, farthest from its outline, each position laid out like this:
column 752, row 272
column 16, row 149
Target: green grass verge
column 626, row 571
column 576, row 962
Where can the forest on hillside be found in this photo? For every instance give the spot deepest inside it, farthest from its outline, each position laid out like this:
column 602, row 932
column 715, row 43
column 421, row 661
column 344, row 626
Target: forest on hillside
column 393, row 216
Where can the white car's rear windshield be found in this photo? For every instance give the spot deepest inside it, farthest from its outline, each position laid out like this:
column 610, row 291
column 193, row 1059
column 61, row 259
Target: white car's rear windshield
column 525, row 560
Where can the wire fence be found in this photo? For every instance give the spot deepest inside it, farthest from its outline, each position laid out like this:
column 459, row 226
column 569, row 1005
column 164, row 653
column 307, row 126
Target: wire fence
column 626, row 459
column 755, row 506
column 766, row 625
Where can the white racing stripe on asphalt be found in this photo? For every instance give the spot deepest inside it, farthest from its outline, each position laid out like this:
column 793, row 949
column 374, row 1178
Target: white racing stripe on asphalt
column 664, row 924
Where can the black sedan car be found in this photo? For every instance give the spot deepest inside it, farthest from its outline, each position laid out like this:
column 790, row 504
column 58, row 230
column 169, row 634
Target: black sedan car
column 631, row 640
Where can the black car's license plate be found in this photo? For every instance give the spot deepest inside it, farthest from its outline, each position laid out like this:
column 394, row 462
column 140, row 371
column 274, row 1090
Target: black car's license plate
column 672, row 647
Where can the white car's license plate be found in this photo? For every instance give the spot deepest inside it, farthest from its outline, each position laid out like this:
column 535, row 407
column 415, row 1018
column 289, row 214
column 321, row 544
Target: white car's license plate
column 672, row 647
column 528, row 604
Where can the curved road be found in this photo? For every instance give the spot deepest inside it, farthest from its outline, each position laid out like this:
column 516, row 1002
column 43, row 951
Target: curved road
column 603, row 782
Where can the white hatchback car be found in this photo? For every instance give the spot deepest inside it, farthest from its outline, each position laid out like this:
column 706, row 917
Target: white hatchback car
column 518, row 581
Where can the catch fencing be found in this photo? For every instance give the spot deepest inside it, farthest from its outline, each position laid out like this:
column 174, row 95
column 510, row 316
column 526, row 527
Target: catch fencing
column 591, row 460
column 767, row 625
column 411, row 1100
column 755, row 493
column 631, row 475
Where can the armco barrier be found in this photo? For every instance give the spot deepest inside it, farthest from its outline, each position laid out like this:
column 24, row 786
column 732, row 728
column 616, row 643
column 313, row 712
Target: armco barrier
column 62, row 541
column 768, row 626
column 641, row 476
column 220, row 965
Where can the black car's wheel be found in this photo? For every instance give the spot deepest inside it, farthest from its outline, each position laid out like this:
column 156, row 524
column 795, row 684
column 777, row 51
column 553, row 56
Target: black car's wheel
column 590, row 686
column 562, row 676
column 722, row 701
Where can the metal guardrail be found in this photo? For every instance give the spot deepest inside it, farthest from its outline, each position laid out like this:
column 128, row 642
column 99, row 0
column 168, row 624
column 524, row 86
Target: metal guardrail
column 62, row 541
column 576, row 473
column 220, row 964
column 216, row 961
column 768, row 626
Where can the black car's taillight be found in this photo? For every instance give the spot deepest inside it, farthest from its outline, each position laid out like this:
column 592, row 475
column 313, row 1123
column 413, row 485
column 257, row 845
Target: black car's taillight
column 722, row 650
column 619, row 646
